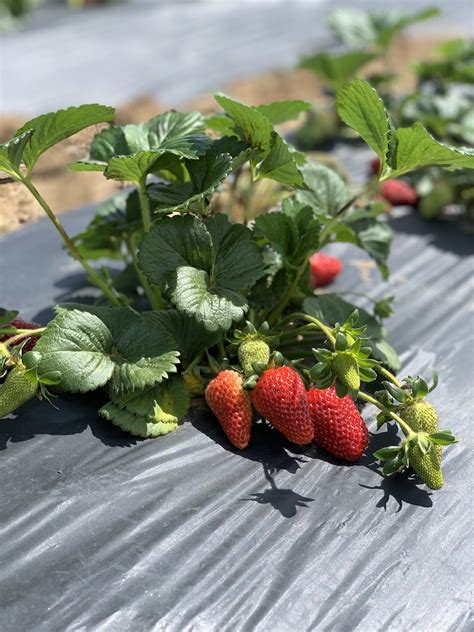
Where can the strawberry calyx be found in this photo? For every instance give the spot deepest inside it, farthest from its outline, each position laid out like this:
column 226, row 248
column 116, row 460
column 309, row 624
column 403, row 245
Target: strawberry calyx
column 422, row 452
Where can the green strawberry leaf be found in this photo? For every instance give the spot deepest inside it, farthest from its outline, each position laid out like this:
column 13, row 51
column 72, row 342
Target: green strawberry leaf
column 202, row 266
column 115, row 221
column 168, row 401
column 293, row 233
column 279, row 230
column 131, row 151
column 353, row 27
column 132, row 168
column 137, row 426
column 280, row 163
column 336, row 69
column 206, row 173
column 172, row 243
column 77, row 344
column 332, row 309
column 190, row 335
column 193, row 295
column 276, row 158
column 388, row 23
column 397, row 393
column 361, row 108
column 50, row 129
column 444, row 437
column 358, row 28
column 269, row 289
column 327, row 192
column 386, row 454
column 249, row 124
column 238, row 149
column 11, row 152
column 399, row 150
column 415, row 148
column 385, row 353
column 221, row 123
column 7, row 315
column 93, row 346
column 282, row 111
column 383, row 308
column 394, row 465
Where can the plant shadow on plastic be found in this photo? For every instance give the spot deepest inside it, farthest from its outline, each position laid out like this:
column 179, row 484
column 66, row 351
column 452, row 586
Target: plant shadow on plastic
column 274, row 453
column 74, row 417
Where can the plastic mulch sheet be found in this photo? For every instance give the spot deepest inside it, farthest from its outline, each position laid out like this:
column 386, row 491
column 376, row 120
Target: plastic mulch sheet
column 100, row 531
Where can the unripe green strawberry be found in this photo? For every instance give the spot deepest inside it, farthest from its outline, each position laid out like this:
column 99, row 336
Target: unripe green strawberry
column 19, row 387
column 432, row 205
column 422, row 417
column 346, row 369
column 427, row 466
column 251, row 351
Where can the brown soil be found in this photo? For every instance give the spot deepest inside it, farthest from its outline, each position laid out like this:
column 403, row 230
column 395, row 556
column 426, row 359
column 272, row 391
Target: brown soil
column 65, row 190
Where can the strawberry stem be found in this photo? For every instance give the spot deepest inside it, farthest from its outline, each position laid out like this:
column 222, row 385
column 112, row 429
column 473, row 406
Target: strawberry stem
column 194, row 362
column 25, row 333
column 403, row 425
column 74, row 251
column 386, row 373
column 289, row 293
column 152, row 292
column 325, row 234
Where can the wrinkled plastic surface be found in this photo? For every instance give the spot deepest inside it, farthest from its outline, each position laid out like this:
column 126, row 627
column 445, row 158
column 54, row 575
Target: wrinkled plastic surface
column 100, row 531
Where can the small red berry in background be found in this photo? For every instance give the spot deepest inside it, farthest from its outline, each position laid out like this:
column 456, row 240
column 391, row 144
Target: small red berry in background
column 323, row 269
column 399, row 193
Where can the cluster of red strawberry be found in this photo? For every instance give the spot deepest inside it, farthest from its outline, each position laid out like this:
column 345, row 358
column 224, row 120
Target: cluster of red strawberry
column 396, row 192
column 320, row 416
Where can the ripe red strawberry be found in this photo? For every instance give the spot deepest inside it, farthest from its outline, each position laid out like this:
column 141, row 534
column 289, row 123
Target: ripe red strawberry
column 280, row 397
column 323, row 269
column 23, row 324
column 375, row 165
column 231, row 404
column 338, row 427
column 399, row 193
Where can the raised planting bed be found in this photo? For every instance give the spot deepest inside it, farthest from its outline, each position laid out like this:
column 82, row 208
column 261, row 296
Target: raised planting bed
column 161, row 531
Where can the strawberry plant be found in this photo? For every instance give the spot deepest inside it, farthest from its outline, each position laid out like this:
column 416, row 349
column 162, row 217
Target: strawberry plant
column 212, row 301
column 441, row 101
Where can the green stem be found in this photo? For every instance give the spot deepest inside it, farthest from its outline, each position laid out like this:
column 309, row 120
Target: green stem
column 291, row 333
column 403, row 425
column 152, row 292
column 144, row 204
column 221, row 348
column 24, row 334
column 194, row 362
column 378, row 368
column 326, row 232
column 383, row 371
column 289, row 293
column 319, row 324
column 73, row 250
